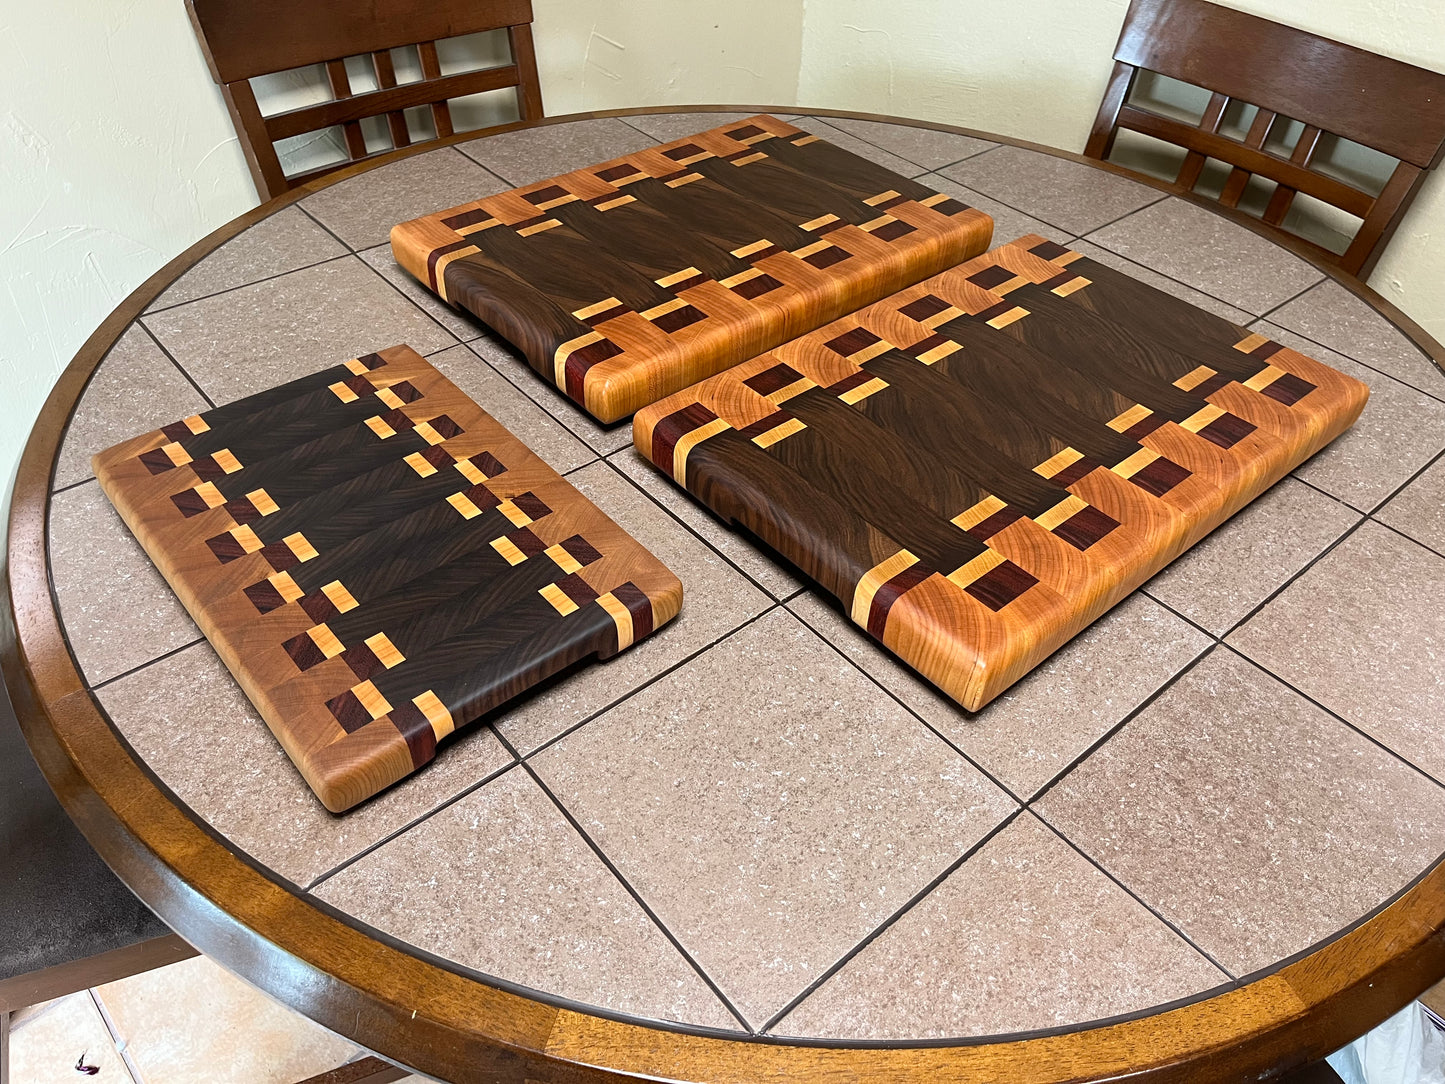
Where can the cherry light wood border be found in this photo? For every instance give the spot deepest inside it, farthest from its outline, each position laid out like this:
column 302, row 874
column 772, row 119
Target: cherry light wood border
column 417, row 1012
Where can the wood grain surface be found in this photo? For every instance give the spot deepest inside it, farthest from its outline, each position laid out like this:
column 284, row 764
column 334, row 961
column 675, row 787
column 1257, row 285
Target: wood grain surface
column 379, row 562
column 980, row 466
column 631, row 279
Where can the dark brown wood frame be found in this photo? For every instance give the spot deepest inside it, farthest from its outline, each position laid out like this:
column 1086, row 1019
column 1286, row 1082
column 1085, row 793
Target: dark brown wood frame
column 417, row 1012
column 242, row 39
column 1332, row 88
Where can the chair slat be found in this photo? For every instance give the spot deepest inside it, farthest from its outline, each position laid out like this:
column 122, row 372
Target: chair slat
column 1283, row 198
column 341, row 88
column 1194, row 161
column 431, row 68
column 386, row 80
column 1239, row 178
column 1364, row 251
column 529, row 90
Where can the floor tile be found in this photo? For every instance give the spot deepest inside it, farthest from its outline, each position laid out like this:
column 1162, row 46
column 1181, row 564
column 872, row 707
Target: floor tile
column 1207, row 251
column 459, row 322
column 770, row 806
column 167, row 1020
column 284, row 241
column 1331, row 315
column 1250, row 819
column 254, row 338
column 1039, row 726
column 1218, row 582
column 1026, row 934
column 502, row 883
column 1419, row 508
column 47, row 1049
column 1071, row 196
column 1008, row 224
column 502, row 357
column 1399, row 431
column 1162, row 282
column 237, row 778
column 928, row 147
column 665, row 127
column 716, row 600
column 768, row 572
column 500, row 398
column 823, row 129
column 1363, row 633
column 534, row 154
column 117, row 609
column 136, row 389
column 361, row 210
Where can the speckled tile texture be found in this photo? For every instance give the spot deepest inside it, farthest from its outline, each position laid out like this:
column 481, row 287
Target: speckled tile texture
column 1026, row 934
column 1008, row 223
column 1363, row 633
column 1249, row 818
column 527, row 156
column 1210, row 253
column 824, row 129
column 928, row 148
column 770, row 807
column 665, row 127
column 1071, row 196
column 1419, row 509
column 236, row 776
column 500, row 882
column 459, row 322
column 1162, row 282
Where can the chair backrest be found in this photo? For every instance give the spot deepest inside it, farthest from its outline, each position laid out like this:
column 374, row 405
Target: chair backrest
column 1288, row 74
column 244, row 39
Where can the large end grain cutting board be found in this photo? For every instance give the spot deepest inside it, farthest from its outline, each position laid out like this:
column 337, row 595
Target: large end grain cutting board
column 631, row 279
column 378, row 561
column 979, row 466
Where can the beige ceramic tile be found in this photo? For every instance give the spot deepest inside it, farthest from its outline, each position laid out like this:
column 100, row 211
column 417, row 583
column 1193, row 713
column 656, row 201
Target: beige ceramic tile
column 1038, row 727
column 362, row 210
column 1207, row 251
column 136, row 389
column 459, row 322
column 1419, row 509
column 771, row 806
column 1399, row 431
column 1074, row 197
column 767, row 572
column 1026, row 934
column 716, row 600
column 603, row 439
column 500, row 398
column 1162, row 282
column 1363, row 633
column 534, row 154
column 823, row 129
column 1253, row 821
column 665, row 127
column 194, row 1021
column 929, row 148
column 284, row 241
column 502, row 883
column 251, row 339
column 237, row 778
column 50, row 1047
column 117, row 610
column 1218, row 582
column 1008, row 224
column 1331, row 315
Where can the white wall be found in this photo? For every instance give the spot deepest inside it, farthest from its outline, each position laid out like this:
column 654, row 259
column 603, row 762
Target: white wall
column 116, row 152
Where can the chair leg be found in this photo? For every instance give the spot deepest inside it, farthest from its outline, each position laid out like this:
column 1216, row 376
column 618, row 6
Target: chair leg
column 361, row 1071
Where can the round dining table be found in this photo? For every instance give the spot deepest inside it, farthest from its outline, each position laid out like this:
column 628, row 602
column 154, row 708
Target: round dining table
column 1201, row 841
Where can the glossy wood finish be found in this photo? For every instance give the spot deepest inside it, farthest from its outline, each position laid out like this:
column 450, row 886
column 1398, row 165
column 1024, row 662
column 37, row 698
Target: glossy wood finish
column 379, row 562
column 636, row 277
column 1332, row 88
column 242, row 39
column 978, row 467
column 418, row 1012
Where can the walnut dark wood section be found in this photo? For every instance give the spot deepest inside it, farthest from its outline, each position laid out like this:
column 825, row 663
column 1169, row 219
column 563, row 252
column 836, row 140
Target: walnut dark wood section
column 379, row 562
column 980, row 466
column 1333, row 89
column 630, row 280
column 242, row 39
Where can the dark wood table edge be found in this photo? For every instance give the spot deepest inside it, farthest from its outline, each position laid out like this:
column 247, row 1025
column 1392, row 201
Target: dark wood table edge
column 447, row 1024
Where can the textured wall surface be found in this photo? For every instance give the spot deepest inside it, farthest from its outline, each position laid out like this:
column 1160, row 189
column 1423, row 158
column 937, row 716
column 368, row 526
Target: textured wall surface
column 117, row 152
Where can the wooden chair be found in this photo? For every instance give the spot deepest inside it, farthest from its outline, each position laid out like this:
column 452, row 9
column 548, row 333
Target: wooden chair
column 1331, row 88
column 244, row 39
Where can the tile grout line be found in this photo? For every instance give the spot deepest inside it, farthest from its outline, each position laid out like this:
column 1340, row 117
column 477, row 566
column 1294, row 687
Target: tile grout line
column 149, row 662
column 165, row 351
column 1334, row 350
column 243, row 285
column 883, row 927
column 635, row 894
column 122, row 1048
